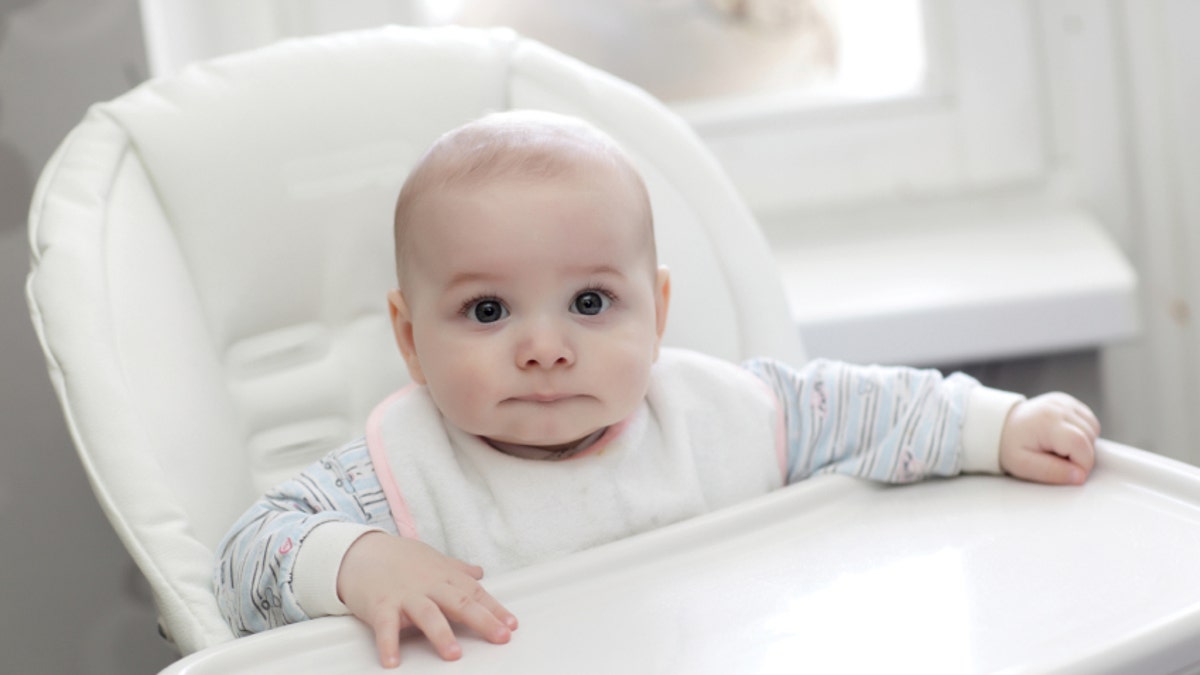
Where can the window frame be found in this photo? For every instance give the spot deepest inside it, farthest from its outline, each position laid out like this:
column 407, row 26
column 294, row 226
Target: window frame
column 977, row 124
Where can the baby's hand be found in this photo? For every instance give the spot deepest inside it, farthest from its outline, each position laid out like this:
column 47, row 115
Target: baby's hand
column 1049, row 439
column 391, row 583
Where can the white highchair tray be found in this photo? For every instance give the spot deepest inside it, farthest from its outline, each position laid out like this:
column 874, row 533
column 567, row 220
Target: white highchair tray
column 974, row 574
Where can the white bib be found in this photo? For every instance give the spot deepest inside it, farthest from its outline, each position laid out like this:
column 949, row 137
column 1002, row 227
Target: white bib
column 708, row 435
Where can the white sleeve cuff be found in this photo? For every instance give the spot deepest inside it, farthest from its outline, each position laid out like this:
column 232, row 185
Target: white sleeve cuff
column 987, row 410
column 314, row 576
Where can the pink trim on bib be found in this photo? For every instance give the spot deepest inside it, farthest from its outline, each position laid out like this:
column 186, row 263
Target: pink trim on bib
column 600, row 443
column 383, row 469
column 780, row 431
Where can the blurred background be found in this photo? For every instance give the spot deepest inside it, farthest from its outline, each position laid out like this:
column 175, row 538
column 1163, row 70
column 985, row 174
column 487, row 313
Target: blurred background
column 845, row 121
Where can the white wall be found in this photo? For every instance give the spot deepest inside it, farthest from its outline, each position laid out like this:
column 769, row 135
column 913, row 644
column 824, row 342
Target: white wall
column 72, row 600
column 1161, row 103
column 1122, row 87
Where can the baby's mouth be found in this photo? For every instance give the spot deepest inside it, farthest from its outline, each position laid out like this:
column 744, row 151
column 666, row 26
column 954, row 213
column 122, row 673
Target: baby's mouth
column 543, row 398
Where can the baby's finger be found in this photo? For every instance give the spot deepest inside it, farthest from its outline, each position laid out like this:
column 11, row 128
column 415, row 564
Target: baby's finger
column 1076, row 444
column 387, row 638
column 1083, row 415
column 498, row 610
column 1092, row 421
column 427, row 616
column 471, row 608
column 1044, row 467
column 1072, row 408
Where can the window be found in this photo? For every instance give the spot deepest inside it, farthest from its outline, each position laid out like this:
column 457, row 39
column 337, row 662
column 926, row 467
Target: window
column 807, row 103
column 964, row 115
column 812, row 103
column 704, row 51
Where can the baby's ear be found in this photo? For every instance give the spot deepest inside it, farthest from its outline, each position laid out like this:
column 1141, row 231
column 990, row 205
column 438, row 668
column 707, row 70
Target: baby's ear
column 662, row 302
column 403, row 329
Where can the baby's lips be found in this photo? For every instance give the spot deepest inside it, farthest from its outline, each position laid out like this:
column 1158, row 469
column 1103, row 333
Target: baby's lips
column 544, row 398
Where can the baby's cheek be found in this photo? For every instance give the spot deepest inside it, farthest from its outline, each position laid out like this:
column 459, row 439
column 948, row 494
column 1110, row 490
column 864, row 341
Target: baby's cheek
column 629, row 380
column 469, row 398
column 456, row 406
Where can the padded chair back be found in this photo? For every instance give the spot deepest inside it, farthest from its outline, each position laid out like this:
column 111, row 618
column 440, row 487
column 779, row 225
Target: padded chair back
column 211, row 254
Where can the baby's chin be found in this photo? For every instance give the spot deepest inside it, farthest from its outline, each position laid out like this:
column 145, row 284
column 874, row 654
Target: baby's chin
column 545, row 443
column 547, row 432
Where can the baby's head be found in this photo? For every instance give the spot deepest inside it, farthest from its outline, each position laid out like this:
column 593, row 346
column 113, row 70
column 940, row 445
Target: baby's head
column 530, row 301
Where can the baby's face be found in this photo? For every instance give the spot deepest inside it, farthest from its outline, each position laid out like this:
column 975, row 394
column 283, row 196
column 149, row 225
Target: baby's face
column 532, row 308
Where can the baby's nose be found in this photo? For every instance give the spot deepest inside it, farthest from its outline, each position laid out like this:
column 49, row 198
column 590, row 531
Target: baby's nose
column 545, row 345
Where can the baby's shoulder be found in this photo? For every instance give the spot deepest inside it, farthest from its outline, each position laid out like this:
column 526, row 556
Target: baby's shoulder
column 677, row 358
column 698, row 372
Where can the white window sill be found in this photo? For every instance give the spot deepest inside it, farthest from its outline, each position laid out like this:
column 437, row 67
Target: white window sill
column 945, row 291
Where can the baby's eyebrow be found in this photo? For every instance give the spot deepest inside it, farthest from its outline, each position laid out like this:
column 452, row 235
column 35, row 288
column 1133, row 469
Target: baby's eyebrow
column 598, row 270
column 585, row 272
column 582, row 269
column 466, row 278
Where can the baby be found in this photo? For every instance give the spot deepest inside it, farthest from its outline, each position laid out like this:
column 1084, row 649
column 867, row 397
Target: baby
column 545, row 418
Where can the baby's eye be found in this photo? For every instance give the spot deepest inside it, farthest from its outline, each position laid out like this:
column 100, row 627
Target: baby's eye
column 590, row 303
column 487, row 311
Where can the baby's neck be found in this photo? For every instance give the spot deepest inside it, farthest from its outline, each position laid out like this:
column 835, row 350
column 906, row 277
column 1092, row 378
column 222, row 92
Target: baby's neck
column 547, row 452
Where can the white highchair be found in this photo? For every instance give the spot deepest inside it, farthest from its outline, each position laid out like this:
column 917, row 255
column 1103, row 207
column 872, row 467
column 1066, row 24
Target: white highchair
column 210, row 257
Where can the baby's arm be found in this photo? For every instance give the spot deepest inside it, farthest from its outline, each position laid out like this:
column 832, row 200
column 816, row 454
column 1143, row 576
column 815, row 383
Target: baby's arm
column 332, row 503
column 328, row 536
column 897, row 425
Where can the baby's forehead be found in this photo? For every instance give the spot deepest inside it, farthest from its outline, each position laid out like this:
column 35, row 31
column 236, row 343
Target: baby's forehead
column 566, row 188
column 521, row 158
column 498, row 154
column 515, row 149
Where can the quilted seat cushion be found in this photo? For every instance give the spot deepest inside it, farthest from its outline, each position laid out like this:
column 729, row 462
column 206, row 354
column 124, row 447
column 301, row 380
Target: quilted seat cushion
column 211, row 254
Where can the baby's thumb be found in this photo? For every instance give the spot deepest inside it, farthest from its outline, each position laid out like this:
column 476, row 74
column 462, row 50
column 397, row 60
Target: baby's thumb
column 1044, row 467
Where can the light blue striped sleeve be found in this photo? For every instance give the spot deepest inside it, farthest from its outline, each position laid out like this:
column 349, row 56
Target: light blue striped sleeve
column 888, row 424
column 253, row 578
